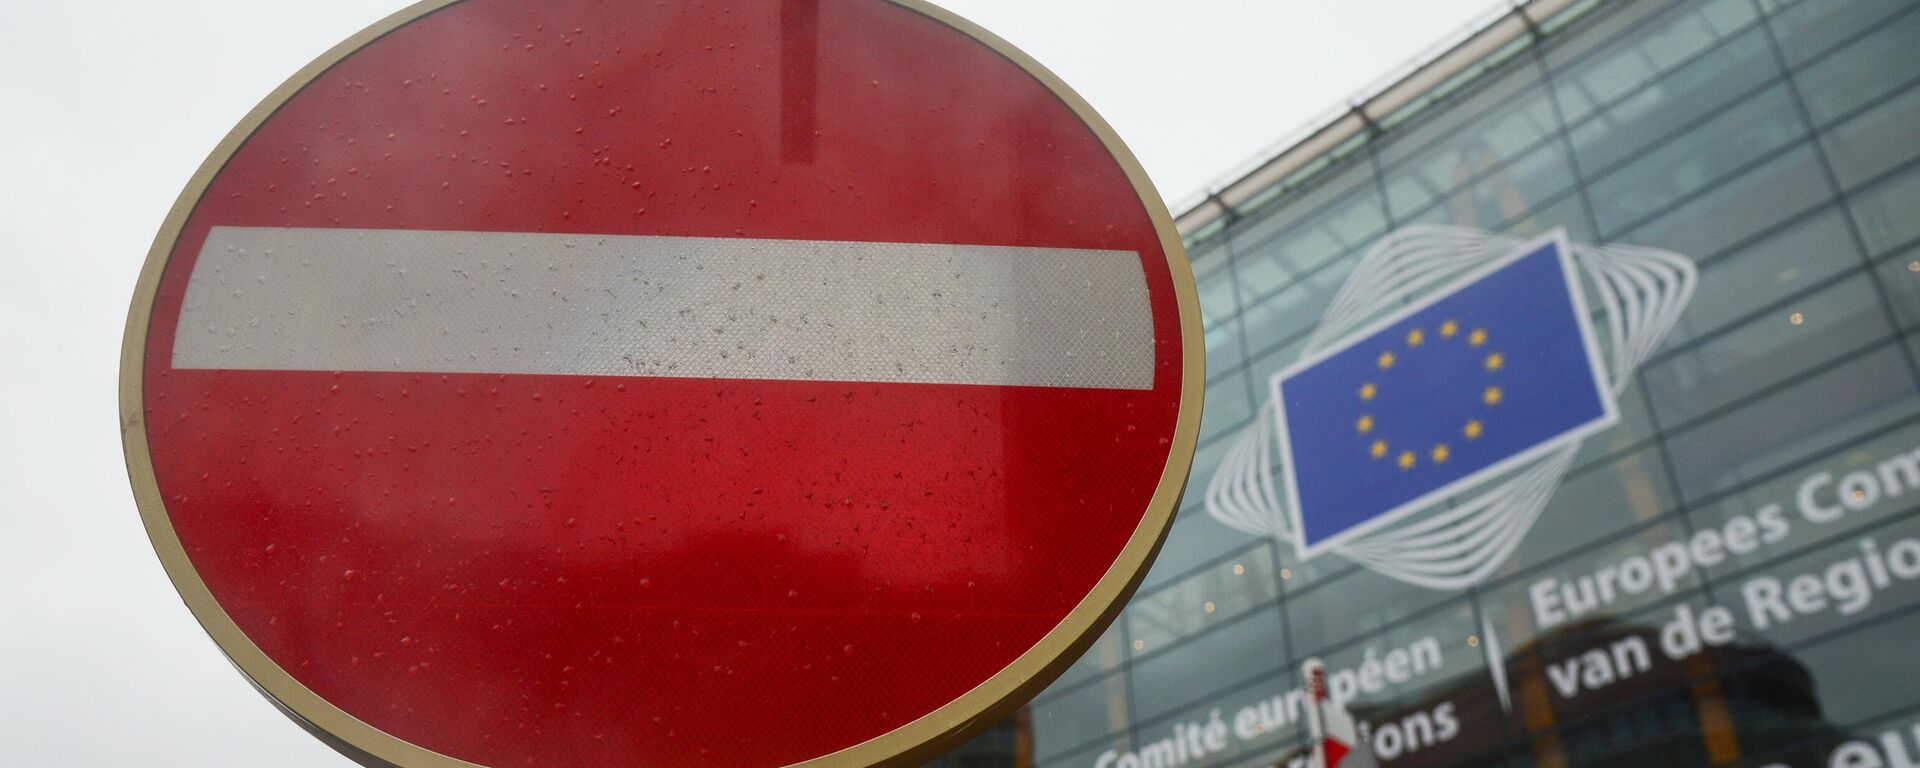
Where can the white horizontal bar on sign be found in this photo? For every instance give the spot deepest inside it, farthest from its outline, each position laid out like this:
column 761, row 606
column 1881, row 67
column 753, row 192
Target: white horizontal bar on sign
column 602, row 305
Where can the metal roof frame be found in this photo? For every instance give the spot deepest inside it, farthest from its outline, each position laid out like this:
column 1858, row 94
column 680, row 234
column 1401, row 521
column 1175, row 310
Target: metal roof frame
column 1373, row 107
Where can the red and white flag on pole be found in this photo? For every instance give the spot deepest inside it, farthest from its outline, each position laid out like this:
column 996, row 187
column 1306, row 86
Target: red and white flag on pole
column 1336, row 739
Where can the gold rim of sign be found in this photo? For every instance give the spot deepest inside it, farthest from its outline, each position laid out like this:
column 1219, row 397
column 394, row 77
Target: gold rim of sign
column 915, row 741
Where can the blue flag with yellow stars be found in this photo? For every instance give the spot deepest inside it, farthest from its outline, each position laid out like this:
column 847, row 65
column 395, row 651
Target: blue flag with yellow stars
column 1475, row 379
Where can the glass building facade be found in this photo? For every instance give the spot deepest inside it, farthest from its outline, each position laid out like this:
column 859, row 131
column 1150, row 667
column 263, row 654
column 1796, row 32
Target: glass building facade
column 1769, row 446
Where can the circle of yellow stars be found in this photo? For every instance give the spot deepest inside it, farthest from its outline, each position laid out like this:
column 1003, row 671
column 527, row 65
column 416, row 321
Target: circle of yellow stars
column 1407, row 458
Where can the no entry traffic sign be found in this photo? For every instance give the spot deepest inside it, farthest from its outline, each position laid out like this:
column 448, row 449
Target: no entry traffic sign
column 682, row 383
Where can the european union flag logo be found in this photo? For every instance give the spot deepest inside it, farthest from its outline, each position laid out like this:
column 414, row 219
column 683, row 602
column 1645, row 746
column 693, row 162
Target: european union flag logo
column 1473, row 380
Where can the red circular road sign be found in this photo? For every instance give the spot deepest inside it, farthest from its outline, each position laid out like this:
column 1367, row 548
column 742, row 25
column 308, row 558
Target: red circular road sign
column 581, row 383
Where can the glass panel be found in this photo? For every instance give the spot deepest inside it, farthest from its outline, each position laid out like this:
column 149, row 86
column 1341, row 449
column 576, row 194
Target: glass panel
column 1888, row 213
column 1204, row 460
column 1605, row 27
column 1353, row 604
column 1202, row 667
column 1662, row 45
column 1260, row 372
column 1852, row 673
column 1489, row 194
column 1801, row 737
column 1658, row 178
column 994, row 746
column 1301, row 205
column 1094, row 711
column 1083, row 757
column 1664, row 729
column 1808, row 28
column 1224, row 350
column 1646, row 111
column 1227, row 406
column 1208, row 257
column 1105, row 656
column 1901, row 278
column 1196, row 538
column 1780, row 264
column 1594, row 503
column 1488, row 112
column 1568, row 212
column 1296, row 309
column 1636, row 425
column 1748, row 534
column 1782, row 427
column 1518, row 612
column 1274, row 700
column 1617, row 635
column 1880, row 138
column 1774, row 346
column 1863, row 72
column 1830, row 587
column 1570, row 14
column 1203, row 599
column 1438, row 660
column 1351, row 223
column 1477, row 149
column 1739, row 208
column 1217, row 300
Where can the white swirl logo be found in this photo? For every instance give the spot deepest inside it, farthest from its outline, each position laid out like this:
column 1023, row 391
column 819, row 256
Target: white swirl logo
column 1444, row 396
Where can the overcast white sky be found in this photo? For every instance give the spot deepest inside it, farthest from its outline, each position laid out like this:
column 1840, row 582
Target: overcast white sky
column 107, row 107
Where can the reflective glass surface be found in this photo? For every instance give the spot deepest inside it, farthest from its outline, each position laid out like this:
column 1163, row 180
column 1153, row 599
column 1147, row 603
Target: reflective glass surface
column 1729, row 575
